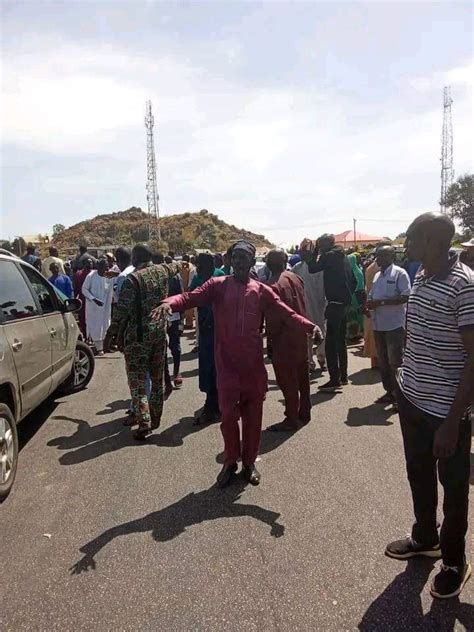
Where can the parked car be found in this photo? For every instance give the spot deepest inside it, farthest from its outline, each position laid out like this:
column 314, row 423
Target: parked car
column 41, row 351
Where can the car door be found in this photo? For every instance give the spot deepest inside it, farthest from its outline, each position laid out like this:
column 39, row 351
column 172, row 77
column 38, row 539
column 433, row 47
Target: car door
column 27, row 335
column 62, row 328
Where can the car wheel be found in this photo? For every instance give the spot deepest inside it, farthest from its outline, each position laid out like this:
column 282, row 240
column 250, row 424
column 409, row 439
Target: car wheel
column 82, row 370
column 8, row 450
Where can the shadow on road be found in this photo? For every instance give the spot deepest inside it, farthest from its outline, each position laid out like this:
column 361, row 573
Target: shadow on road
column 399, row 607
column 322, row 396
column 365, row 377
column 29, row 426
column 89, row 442
column 170, row 522
column 113, row 407
column 372, row 415
column 190, row 373
column 175, row 435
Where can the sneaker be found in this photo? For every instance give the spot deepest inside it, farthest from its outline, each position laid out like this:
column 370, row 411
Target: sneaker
column 450, row 581
column 406, row 548
column 178, row 381
column 330, row 386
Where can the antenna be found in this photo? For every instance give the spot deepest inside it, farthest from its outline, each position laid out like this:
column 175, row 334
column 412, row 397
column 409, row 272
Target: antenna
column 154, row 231
column 447, row 171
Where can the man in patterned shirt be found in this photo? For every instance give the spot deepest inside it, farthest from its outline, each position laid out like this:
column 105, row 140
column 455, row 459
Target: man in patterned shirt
column 436, row 389
column 142, row 340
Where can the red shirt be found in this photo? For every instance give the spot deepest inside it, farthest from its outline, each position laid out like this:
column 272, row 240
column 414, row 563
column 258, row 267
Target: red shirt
column 238, row 312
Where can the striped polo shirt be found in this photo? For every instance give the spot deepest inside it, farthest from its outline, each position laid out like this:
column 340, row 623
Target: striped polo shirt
column 438, row 308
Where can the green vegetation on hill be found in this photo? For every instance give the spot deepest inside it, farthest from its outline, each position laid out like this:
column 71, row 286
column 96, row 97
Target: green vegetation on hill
column 181, row 233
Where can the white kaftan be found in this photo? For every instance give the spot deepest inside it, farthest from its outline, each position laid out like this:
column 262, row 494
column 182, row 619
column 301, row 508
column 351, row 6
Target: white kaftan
column 97, row 318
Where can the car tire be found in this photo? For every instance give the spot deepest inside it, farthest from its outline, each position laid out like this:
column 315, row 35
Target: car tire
column 82, row 370
column 8, row 450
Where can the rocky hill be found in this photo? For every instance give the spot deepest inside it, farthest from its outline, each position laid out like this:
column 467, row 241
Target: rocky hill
column 180, row 233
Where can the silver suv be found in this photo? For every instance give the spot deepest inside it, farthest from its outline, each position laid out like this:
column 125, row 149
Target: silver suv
column 40, row 351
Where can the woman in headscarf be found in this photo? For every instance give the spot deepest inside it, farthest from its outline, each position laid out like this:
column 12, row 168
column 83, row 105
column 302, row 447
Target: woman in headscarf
column 355, row 318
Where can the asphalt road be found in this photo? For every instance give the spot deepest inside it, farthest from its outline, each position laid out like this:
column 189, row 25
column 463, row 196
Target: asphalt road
column 102, row 533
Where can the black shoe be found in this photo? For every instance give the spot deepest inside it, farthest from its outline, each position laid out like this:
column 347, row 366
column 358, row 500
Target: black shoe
column 141, row 434
column 251, row 474
column 344, row 381
column 406, row 548
column 450, row 581
column 226, row 475
column 330, row 386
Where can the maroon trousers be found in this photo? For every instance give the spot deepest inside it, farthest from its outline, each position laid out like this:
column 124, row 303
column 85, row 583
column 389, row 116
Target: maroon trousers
column 248, row 406
column 293, row 380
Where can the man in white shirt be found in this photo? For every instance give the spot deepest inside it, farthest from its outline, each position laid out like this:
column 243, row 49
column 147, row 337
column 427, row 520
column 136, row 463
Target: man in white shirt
column 387, row 302
column 53, row 258
column 98, row 290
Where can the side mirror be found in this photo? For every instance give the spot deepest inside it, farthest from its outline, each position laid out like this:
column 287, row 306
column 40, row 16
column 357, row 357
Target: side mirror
column 72, row 305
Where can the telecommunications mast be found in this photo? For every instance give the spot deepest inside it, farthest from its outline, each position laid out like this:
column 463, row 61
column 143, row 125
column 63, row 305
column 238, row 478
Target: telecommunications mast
column 447, row 171
column 154, row 231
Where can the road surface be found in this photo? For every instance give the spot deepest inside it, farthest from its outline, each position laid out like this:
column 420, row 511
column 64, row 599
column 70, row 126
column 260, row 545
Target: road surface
column 102, row 533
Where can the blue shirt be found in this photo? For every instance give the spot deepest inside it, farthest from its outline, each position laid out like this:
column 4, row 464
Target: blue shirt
column 412, row 268
column 63, row 284
column 120, row 279
column 392, row 283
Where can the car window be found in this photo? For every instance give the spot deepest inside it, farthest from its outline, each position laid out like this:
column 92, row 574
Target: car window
column 16, row 299
column 43, row 291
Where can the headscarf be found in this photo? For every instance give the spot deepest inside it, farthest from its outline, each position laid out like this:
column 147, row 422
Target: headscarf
column 294, row 259
column 307, row 244
column 359, row 275
column 246, row 246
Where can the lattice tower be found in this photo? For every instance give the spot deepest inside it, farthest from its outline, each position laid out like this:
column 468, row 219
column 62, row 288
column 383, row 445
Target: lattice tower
column 447, row 171
column 154, row 231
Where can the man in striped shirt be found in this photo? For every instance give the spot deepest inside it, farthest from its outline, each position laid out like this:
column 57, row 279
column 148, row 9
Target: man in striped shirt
column 436, row 389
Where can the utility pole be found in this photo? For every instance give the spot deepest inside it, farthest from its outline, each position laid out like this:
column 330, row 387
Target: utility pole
column 447, row 171
column 355, row 234
column 154, row 231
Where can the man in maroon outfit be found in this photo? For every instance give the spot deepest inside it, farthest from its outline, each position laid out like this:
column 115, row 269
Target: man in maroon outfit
column 239, row 305
column 289, row 345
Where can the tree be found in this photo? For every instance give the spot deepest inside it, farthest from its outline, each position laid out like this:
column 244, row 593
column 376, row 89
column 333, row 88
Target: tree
column 459, row 201
column 58, row 228
column 6, row 245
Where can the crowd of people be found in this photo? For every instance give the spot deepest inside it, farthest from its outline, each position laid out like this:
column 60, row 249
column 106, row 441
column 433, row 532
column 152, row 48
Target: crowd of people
column 416, row 319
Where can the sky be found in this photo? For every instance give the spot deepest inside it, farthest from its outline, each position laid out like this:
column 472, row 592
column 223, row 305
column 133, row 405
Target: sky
column 286, row 118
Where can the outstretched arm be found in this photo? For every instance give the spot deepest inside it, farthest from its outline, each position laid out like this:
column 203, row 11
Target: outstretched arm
column 273, row 305
column 201, row 296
